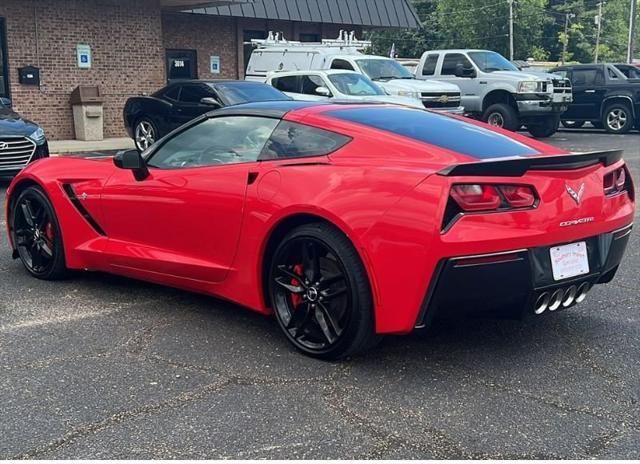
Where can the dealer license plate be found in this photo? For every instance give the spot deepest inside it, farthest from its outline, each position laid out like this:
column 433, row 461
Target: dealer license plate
column 569, row 260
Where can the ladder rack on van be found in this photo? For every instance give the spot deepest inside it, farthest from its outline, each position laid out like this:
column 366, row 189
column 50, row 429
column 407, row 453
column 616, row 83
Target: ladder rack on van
column 345, row 40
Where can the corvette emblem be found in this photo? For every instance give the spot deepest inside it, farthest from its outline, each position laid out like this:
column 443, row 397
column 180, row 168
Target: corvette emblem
column 577, row 196
column 444, row 99
column 4, row 145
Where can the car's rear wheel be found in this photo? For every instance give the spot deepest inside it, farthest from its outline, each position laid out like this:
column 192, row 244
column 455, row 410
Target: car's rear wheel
column 146, row 133
column 617, row 119
column 503, row 116
column 320, row 293
column 573, row 124
column 36, row 235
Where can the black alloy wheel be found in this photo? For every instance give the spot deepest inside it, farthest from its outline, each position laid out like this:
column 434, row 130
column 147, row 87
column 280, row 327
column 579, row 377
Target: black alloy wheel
column 320, row 293
column 36, row 235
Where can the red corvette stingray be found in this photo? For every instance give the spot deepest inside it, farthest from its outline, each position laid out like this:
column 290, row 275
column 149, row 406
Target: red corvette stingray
column 346, row 221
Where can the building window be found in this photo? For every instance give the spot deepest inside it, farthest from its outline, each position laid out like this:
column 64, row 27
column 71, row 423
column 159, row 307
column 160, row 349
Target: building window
column 4, row 65
column 182, row 64
column 309, row 37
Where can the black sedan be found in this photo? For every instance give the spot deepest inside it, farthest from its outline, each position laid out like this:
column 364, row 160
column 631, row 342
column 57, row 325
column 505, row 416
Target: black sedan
column 21, row 141
column 148, row 118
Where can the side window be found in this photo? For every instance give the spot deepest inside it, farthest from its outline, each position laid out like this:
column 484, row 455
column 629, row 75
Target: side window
column 430, row 64
column 215, row 141
column 586, row 77
column 286, row 84
column 194, row 93
column 172, row 93
column 310, row 83
column 291, row 140
column 451, row 61
column 612, row 74
column 342, row 64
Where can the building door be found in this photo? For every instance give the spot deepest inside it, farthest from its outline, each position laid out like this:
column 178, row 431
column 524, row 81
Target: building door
column 4, row 65
column 182, row 64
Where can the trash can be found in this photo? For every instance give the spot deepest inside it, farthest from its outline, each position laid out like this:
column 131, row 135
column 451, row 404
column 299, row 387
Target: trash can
column 88, row 114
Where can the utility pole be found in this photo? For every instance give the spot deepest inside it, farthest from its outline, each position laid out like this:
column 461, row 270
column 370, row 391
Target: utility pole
column 632, row 31
column 510, row 29
column 599, row 23
column 565, row 42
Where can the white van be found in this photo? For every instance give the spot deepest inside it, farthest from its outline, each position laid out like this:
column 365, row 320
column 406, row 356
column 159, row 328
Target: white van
column 335, row 85
column 278, row 54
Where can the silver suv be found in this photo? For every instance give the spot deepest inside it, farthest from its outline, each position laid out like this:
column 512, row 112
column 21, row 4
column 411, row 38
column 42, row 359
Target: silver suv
column 497, row 92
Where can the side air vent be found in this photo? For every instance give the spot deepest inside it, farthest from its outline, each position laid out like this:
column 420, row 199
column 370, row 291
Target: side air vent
column 68, row 189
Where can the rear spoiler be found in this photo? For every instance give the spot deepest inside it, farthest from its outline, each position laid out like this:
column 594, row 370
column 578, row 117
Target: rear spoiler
column 516, row 167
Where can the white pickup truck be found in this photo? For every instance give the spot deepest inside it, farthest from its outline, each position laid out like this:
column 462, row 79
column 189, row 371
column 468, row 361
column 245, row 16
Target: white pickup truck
column 495, row 91
column 344, row 53
column 335, row 85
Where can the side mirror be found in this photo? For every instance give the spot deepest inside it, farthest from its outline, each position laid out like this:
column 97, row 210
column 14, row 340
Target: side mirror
column 323, row 91
column 132, row 160
column 210, row 101
column 4, row 101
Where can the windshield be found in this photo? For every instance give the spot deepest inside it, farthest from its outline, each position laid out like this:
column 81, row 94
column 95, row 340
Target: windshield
column 237, row 94
column 382, row 69
column 355, row 84
column 492, row 61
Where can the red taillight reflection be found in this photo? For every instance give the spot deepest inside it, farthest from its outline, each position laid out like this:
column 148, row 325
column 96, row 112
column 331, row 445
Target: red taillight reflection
column 476, row 197
column 488, row 197
column 518, row 196
column 615, row 182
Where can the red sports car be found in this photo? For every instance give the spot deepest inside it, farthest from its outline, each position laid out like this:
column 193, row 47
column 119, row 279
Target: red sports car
column 346, row 221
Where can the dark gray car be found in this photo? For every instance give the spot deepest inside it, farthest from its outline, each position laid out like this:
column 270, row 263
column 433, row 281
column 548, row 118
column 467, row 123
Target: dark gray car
column 21, row 141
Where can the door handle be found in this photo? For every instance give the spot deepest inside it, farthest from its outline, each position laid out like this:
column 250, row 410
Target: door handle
column 590, row 91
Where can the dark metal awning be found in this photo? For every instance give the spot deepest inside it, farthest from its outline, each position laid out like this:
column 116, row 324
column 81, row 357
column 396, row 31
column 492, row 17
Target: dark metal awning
column 182, row 4
column 368, row 13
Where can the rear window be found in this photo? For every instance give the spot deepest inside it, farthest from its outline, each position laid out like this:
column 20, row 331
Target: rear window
column 435, row 129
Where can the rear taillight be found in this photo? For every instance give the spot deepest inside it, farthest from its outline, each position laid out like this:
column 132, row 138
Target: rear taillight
column 489, row 197
column 618, row 181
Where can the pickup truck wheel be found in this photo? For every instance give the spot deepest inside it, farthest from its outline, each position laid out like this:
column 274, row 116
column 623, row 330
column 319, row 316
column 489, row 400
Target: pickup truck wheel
column 503, row 116
column 545, row 128
column 573, row 124
column 617, row 119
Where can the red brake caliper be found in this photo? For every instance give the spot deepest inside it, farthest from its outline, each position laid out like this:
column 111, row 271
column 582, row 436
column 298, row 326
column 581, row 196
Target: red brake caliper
column 49, row 232
column 295, row 298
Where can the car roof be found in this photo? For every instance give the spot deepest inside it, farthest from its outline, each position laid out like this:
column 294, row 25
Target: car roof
column 212, row 81
column 312, row 71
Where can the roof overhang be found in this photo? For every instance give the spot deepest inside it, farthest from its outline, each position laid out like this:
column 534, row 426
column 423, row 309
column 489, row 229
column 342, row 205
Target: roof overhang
column 184, row 4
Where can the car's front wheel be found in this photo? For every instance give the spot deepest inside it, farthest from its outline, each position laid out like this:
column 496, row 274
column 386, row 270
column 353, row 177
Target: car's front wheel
column 145, row 133
column 617, row 119
column 503, row 116
column 320, row 293
column 36, row 235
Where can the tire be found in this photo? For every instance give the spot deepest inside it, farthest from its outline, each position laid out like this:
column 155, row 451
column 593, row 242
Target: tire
column 320, row 293
column 545, row 128
column 145, row 133
column 36, row 233
column 503, row 116
column 596, row 124
column 573, row 124
column 617, row 119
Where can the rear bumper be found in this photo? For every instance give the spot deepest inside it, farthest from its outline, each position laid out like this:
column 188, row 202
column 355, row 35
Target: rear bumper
column 513, row 282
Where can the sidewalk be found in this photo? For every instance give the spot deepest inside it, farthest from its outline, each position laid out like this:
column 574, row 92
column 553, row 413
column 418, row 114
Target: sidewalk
column 62, row 147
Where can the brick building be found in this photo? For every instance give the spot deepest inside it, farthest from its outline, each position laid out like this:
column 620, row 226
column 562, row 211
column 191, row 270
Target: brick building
column 131, row 47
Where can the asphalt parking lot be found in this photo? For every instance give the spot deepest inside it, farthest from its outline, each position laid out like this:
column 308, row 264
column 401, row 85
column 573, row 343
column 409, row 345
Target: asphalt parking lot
column 104, row 367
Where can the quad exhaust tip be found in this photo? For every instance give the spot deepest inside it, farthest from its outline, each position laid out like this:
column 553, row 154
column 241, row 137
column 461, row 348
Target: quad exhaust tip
column 561, row 298
column 542, row 303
